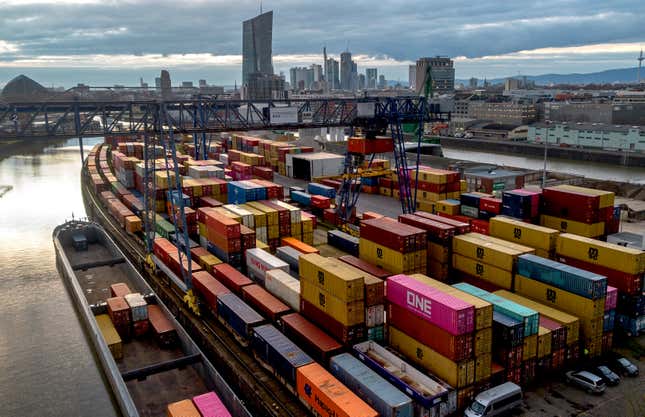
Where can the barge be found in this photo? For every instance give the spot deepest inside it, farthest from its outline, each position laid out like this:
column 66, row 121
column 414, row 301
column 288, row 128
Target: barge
column 150, row 369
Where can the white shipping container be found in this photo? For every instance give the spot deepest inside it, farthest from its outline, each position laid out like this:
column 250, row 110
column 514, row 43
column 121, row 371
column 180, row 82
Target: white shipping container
column 283, row 286
column 261, row 234
column 138, row 306
column 223, row 158
column 312, row 165
column 375, row 315
column 247, row 217
column 262, row 261
column 294, row 212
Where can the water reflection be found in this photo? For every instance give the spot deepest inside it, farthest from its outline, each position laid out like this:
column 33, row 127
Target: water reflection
column 46, row 364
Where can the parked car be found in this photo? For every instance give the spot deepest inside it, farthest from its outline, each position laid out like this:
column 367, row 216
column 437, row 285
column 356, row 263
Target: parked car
column 624, row 366
column 606, row 374
column 495, row 401
column 586, row 380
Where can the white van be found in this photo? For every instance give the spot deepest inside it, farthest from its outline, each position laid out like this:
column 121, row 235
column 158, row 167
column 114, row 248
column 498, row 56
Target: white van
column 495, row 401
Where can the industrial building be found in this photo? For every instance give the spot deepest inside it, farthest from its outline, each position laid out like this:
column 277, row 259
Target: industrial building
column 589, row 135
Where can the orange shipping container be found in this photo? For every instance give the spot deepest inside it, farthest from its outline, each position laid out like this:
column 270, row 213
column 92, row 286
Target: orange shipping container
column 327, row 396
column 184, row 408
column 298, row 245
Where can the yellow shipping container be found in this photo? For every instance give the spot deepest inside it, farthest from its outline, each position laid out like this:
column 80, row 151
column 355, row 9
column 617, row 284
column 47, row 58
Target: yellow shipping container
column 447, row 207
column 432, row 177
column 593, row 347
column 483, row 341
column 570, row 226
column 427, row 206
column 493, row 251
column 483, row 309
column 259, row 217
column 606, row 197
column 307, row 225
column 529, row 350
column 591, row 328
column 483, row 364
column 487, row 272
column 571, row 322
column 544, row 342
column 209, row 261
column 201, row 227
column 458, row 374
column 348, row 313
column 308, row 238
column 229, row 214
column 272, row 214
column 333, row 276
column 463, row 186
column 391, row 260
column 438, row 252
column 386, row 191
column 439, row 270
column 455, row 195
column 273, row 231
column 110, row 335
column 517, row 231
column 620, row 258
column 574, row 304
column 430, row 197
column 261, row 245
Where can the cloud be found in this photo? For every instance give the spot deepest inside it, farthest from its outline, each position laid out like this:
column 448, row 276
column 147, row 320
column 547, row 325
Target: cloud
column 8, row 47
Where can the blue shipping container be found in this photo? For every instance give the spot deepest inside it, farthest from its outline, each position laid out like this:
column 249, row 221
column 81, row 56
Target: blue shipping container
column 371, row 388
column 240, row 193
column 631, row 305
column 290, row 256
column 319, row 189
column 343, row 241
column 234, row 258
column 608, row 321
column 507, row 332
column 302, row 198
column 173, row 196
column 575, row 280
column 529, row 317
column 469, row 199
column 275, row 349
column 237, row 314
column 633, row 326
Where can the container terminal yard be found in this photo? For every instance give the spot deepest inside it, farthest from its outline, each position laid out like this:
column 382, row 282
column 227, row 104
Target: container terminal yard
column 413, row 306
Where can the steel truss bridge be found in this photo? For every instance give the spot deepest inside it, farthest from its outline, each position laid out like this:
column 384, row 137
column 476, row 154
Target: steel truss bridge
column 78, row 119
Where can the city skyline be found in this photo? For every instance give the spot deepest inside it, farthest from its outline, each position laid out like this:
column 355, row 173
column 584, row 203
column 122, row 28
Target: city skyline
column 46, row 37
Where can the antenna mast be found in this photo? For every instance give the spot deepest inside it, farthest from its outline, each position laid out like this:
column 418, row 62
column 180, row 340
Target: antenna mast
column 640, row 64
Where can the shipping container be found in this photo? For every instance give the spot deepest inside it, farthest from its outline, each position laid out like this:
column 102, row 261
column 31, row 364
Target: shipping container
column 460, row 227
column 434, row 397
column 431, row 304
column 437, row 231
column 231, row 277
column 238, row 316
column 210, row 405
column 290, row 256
column 483, row 310
column 376, row 391
column 566, row 301
column 312, row 338
column 611, row 298
column 343, row 241
column 138, row 306
column 517, row 231
column 333, row 276
column 345, row 334
column 457, row 374
column 570, row 226
column 628, row 260
column 365, row 267
column 164, row 331
column 508, row 332
column 577, row 281
column 299, row 245
column 110, row 335
column 543, row 342
column 259, row 261
column 281, row 355
column 119, row 289
column 283, row 286
column 624, row 282
column 263, row 302
column 489, row 250
column 484, row 271
column 568, row 321
column 483, row 341
column 454, row 347
column 183, row 408
column 529, row 317
column 327, row 396
column 119, row 312
column 396, row 236
column 483, row 367
column 348, row 313
column 391, row 260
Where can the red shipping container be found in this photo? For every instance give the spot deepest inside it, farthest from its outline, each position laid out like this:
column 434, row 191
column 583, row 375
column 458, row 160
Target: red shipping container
column 365, row 266
column 397, row 236
column 320, row 201
column 331, row 183
column 460, row 227
column 218, row 223
column 209, row 202
column 457, row 217
column 455, row 348
column 314, row 219
column 347, row 335
column 329, row 215
column 310, row 337
column 627, row 283
column 491, row 205
column 140, row 328
column 162, row 327
column 368, row 215
column 567, row 210
column 231, row 277
column 119, row 289
column 569, row 198
column 119, row 311
column 209, row 288
column 558, row 332
column 264, row 302
column 435, row 230
column 480, row 226
column 370, row 146
column 228, row 245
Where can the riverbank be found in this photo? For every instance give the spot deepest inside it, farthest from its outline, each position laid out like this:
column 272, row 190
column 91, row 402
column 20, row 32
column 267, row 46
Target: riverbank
column 627, row 159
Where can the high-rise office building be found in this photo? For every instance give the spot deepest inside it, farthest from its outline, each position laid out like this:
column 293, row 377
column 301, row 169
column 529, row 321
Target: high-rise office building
column 166, row 85
column 412, row 76
column 317, row 70
column 361, row 81
column 473, row 82
column 332, row 74
column 346, row 70
column 264, row 87
column 371, row 75
column 257, row 34
column 382, row 83
column 443, row 74
column 202, row 84
column 158, row 83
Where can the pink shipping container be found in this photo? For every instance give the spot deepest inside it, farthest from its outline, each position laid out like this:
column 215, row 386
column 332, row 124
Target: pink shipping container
column 611, row 298
column 433, row 305
column 209, row 405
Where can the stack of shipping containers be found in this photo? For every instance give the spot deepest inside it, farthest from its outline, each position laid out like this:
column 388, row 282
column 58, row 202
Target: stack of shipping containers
column 542, row 239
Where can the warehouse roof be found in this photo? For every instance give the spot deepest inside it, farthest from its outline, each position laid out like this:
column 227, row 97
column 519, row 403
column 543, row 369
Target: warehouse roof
column 589, row 126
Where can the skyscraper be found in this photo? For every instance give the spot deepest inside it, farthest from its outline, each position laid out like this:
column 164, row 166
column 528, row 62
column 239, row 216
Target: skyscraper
column 442, row 71
column 371, row 74
column 346, row 69
column 332, row 74
column 412, row 76
column 257, row 34
column 361, row 81
column 166, row 85
column 382, row 82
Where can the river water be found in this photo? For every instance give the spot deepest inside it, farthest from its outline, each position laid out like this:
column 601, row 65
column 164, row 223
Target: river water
column 47, row 366
column 587, row 169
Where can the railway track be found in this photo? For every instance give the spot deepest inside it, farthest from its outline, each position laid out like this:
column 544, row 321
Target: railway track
column 260, row 390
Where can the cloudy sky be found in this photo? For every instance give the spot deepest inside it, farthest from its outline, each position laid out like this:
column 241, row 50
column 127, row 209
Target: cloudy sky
column 61, row 42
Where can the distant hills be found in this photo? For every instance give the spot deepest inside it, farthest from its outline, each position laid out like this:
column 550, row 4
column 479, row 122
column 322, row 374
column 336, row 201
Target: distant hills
column 619, row 75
